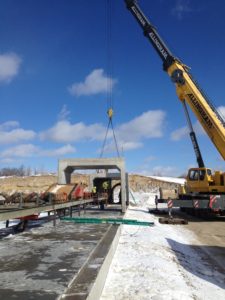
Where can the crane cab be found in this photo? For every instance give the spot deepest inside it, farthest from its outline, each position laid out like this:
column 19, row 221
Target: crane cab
column 202, row 180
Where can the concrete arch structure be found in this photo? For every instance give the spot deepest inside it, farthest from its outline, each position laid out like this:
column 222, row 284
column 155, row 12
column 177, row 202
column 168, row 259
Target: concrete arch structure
column 67, row 166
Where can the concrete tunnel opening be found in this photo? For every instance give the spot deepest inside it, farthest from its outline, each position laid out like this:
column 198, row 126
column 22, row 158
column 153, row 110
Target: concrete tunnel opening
column 110, row 170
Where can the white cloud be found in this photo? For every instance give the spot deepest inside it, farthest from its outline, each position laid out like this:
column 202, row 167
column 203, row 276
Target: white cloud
column 149, row 159
column 179, row 133
column 9, row 66
column 16, row 135
column 65, row 132
column 7, row 161
column 147, row 125
column 9, row 135
column 24, row 150
column 183, row 132
column 64, row 113
column 122, row 146
column 8, row 125
column 199, row 129
column 95, row 83
column 160, row 171
column 67, row 149
column 164, row 171
column 147, row 162
column 30, row 150
column 126, row 146
column 129, row 135
column 182, row 7
column 221, row 110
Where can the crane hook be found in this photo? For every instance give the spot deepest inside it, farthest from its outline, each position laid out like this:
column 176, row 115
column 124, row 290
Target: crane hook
column 110, row 113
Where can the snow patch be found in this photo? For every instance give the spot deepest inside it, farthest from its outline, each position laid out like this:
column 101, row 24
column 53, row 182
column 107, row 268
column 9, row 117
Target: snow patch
column 169, row 179
column 159, row 262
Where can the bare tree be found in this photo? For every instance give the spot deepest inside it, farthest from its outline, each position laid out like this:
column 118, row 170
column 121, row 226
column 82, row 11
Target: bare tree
column 13, row 171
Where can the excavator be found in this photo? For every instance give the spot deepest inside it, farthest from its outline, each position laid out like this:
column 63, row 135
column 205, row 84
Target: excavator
column 200, row 180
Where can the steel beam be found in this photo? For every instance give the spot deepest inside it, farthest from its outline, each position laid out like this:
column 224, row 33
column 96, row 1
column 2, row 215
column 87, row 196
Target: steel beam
column 19, row 213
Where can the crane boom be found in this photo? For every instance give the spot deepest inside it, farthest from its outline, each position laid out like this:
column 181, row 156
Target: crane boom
column 151, row 33
column 186, row 87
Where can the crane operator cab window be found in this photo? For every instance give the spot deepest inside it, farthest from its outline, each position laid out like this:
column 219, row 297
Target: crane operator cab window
column 193, row 175
column 209, row 172
column 196, row 175
column 201, row 174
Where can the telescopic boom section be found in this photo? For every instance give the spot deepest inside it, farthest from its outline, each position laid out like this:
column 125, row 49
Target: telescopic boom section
column 186, row 87
column 151, row 34
column 194, row 139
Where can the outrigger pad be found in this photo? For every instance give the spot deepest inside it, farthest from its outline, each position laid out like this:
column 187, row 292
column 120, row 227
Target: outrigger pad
column 158, row 211
column 173, row 221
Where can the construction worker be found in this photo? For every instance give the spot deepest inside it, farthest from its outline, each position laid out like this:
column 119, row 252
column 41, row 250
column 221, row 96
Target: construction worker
column 94, row 190
column 105, row 186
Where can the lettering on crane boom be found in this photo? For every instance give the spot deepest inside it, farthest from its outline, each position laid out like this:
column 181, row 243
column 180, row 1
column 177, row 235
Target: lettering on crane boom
column 151, row 34
column 158, row 45
column 139, row 16
column 199, row 108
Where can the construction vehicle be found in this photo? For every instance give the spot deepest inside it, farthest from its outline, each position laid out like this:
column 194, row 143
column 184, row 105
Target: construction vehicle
column 202, row 183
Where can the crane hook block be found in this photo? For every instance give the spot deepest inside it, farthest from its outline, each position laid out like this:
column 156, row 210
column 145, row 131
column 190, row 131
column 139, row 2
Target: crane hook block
column 110, row 112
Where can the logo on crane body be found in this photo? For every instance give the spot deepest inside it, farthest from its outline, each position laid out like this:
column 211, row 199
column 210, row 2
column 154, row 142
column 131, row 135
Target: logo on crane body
column 139, row 16
column 201, row 111
column 158, row 45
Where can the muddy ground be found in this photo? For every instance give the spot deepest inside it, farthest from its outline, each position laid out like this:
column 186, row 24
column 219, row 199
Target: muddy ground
column 211, row 235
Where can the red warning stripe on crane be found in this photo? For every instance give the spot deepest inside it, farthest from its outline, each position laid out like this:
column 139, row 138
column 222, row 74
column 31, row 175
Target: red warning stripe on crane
column 212, row 200
column 170, row 203
column 196, row 204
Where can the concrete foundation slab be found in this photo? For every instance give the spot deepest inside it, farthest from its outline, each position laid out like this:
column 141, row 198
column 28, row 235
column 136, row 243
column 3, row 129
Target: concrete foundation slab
column 90, row 280
column 40, row 263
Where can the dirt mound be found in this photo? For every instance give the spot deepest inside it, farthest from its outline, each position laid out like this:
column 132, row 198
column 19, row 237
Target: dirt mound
column 35, row 184
column 42, row 183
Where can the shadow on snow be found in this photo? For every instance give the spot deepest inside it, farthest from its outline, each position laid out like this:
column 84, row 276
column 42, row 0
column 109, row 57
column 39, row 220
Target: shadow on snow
column 205, row 262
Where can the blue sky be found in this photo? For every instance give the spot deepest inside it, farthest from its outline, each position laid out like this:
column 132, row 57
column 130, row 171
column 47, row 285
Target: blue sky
column 54, row 76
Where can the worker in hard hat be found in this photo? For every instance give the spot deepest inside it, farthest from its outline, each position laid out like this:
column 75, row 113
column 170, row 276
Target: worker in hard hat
column 105, row 186
column 94, row 190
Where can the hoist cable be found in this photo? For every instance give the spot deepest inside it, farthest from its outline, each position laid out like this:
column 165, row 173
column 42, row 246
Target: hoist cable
column 109, row 71
column 103, row 145
column 114, row 137
column 117, row 149
column 109, row 53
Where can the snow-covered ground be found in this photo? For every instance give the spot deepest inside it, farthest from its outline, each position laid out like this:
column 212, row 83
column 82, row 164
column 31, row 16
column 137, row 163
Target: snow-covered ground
column 169, row 179
column 160, row 262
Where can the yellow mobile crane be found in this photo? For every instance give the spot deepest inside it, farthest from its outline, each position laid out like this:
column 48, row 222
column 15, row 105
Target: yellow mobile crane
column 200, row 180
